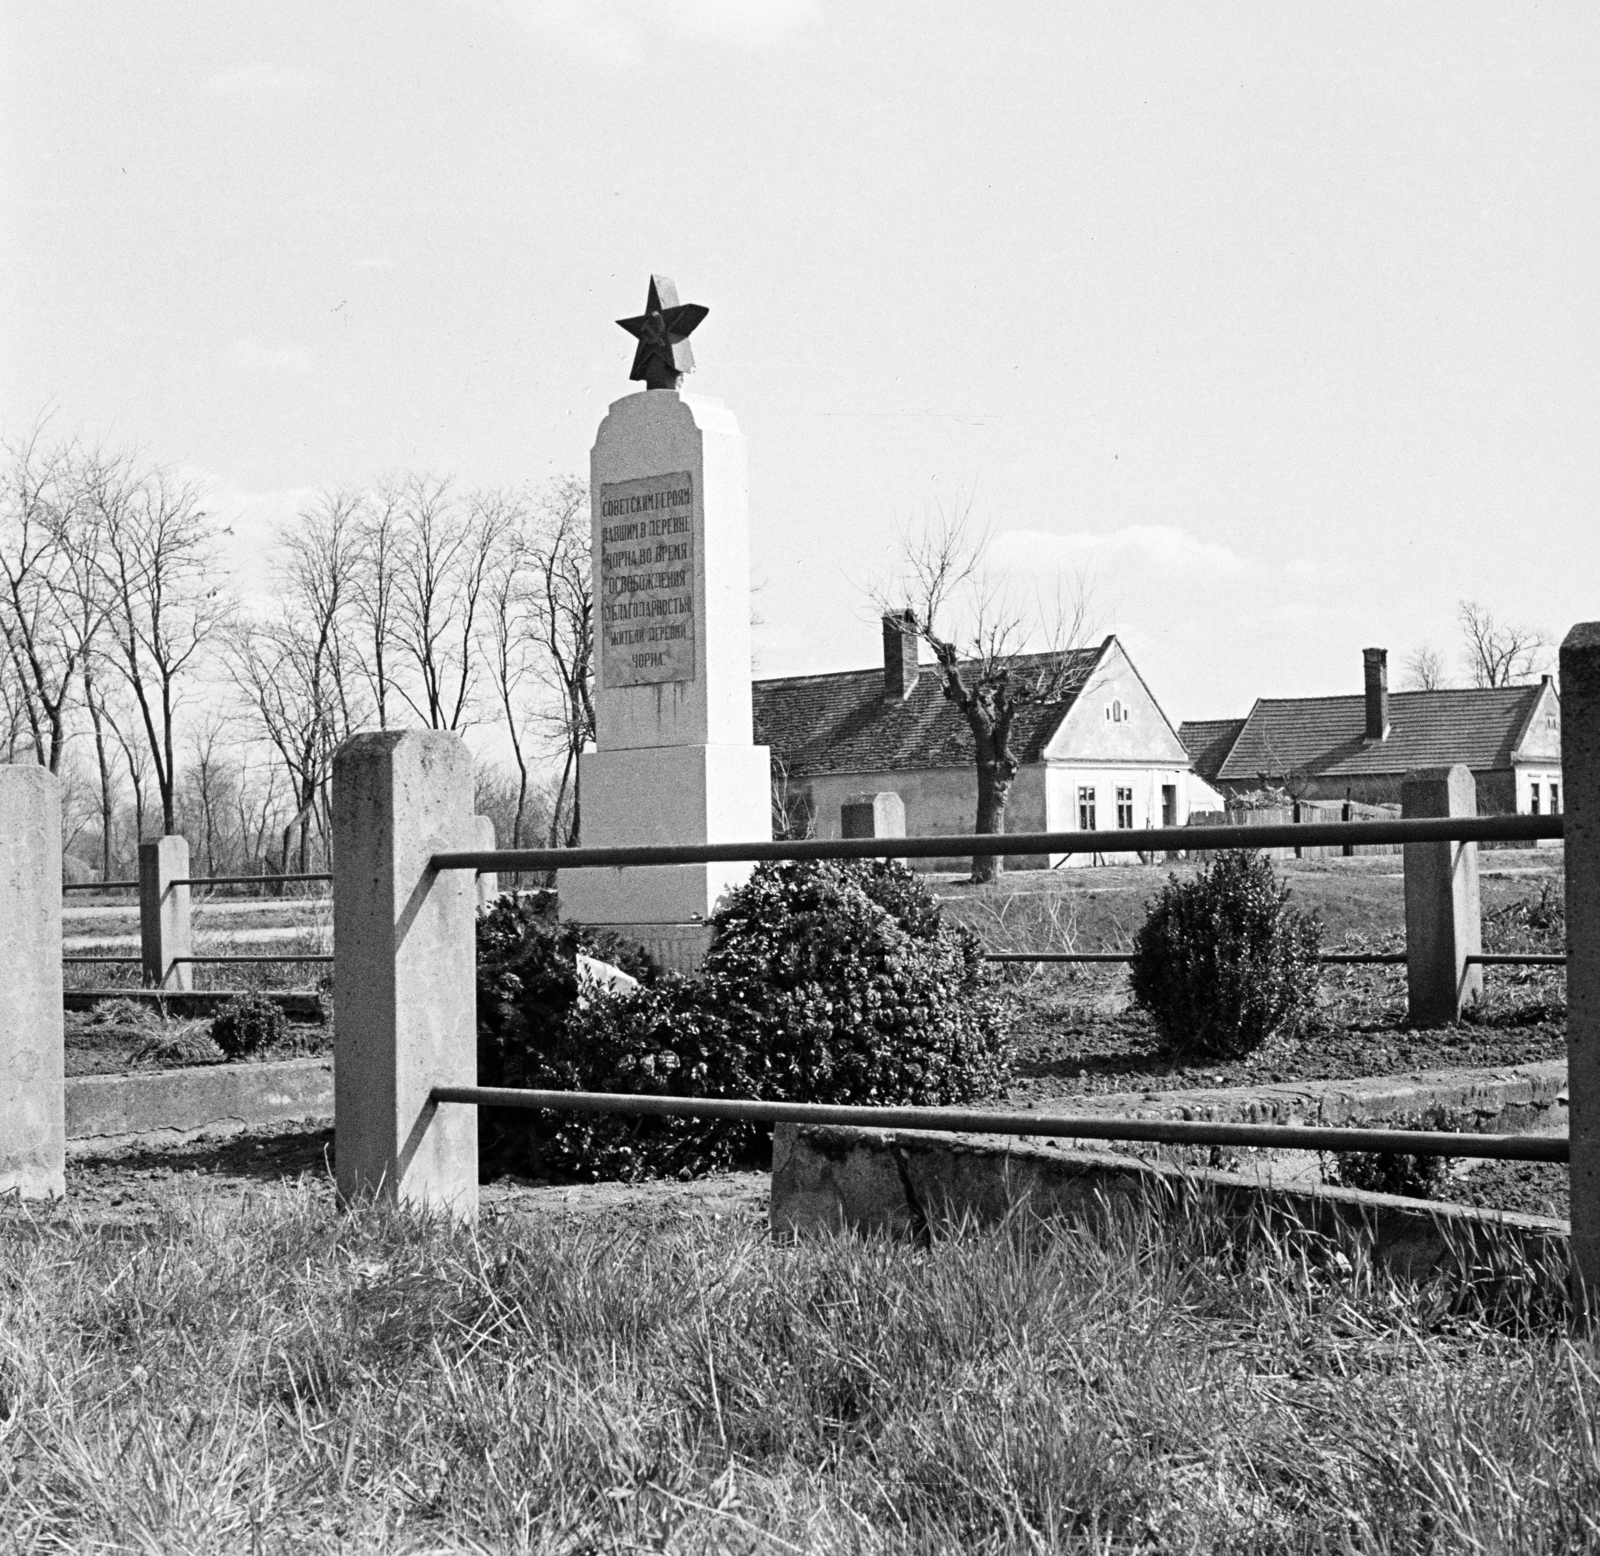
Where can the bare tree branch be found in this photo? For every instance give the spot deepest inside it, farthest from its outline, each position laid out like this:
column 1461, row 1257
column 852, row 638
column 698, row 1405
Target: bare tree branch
column 979, row 635
column 1499, row 653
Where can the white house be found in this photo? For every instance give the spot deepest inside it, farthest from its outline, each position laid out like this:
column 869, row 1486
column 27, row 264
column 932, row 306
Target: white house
column 1104, row 758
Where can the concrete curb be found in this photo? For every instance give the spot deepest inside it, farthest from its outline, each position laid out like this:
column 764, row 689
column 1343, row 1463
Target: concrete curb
column 108, row 1113
column 1513, row 1099
column 901, row 1182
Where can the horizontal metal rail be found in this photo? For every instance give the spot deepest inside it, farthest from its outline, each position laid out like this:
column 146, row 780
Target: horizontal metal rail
column 1516, row 959
column 1340, row 958
column 100, row 886
column 215, row 961
column 245, row 880
column 1081, row 1126
column 1441, row 829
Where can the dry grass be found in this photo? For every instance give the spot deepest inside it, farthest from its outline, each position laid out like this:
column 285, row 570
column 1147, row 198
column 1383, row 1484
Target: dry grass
column 282, row 1377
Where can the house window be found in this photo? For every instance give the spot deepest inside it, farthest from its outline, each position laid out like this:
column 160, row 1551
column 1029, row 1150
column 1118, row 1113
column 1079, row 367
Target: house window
column 1533, row 807
column 1086, row 821
column 1125, row 810
column 1555, row 799
column 1115, row 712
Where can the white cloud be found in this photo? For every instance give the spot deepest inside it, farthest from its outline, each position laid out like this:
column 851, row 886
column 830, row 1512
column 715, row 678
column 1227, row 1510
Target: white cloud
column 626, row 32
column 1300, row 567
column 261, row 80
column 255, row 355
column 373, row 264
column 1156, row 545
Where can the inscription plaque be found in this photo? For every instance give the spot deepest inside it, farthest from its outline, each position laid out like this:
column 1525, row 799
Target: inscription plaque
column 646, row 585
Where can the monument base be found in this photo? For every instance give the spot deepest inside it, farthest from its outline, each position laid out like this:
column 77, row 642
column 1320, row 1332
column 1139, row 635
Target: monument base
column 658, row 796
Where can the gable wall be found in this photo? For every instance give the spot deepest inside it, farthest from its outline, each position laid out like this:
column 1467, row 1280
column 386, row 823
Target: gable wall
column 1143, row 736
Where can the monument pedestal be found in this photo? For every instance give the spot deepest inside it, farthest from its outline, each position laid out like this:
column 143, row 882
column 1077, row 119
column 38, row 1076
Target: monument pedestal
column 674, row 762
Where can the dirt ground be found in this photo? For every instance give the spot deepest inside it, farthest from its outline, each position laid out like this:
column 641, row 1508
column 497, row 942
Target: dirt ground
column 137, row 1185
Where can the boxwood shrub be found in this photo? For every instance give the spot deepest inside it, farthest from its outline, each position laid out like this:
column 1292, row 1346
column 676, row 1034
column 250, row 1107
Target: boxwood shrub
column 1223, row 964
column 823, row 983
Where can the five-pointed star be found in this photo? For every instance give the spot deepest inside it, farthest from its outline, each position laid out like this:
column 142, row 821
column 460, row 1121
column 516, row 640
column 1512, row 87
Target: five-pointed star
column 663, row 331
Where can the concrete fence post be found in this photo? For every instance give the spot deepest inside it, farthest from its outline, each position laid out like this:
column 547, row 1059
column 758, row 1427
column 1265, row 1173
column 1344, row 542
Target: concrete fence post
column 488, row 881
column 403, row 970
column 1580, row 778
column 164, row 931
column 1444, row 924
column 33, row 1129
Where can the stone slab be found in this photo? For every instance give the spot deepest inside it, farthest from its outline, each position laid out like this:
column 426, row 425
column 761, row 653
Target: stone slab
column 903, row 1182
column 109, row 1113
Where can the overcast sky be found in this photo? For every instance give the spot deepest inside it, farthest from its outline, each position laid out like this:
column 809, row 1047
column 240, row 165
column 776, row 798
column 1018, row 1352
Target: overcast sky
column 1281, row 320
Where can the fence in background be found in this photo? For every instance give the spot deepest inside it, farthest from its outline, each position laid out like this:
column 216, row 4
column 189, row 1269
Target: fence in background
column 166, row 918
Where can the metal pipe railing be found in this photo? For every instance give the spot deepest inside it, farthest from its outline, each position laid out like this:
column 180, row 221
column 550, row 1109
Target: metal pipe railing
column 1092, row 1126
column 241, row 960
column 1328, row 958
column 1441, row 829
column 247, row 880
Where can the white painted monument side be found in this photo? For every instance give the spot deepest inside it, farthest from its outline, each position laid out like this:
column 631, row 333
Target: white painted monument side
column 673, row 761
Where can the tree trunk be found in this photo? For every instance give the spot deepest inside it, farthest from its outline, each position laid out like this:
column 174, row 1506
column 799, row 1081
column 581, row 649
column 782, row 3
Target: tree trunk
column 994, row 789
column 575, row 831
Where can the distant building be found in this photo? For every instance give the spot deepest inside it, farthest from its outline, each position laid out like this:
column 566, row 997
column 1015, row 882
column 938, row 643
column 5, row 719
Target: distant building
column 1103, row 759
column 1361, row 747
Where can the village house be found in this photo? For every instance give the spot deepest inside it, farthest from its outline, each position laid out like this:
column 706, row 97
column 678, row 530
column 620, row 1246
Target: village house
column 1361, row 747
column 1104, row 758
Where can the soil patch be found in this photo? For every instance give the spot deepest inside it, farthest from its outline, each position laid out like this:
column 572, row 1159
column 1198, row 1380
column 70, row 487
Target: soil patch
column 140, row 1185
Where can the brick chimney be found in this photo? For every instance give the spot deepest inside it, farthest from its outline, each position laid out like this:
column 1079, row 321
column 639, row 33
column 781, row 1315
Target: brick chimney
column 1375, row 661
column 899, row 656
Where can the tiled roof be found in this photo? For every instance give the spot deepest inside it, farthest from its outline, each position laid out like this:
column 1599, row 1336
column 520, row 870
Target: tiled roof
column 1324, row 735
column 842, row 723
column 1208, row 742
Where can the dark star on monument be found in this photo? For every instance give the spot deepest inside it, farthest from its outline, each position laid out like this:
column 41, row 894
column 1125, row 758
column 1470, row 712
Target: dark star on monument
column 663, row 331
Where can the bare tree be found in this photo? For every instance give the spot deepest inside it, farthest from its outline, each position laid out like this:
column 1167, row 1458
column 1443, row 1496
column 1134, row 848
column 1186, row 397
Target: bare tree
column 374, row 595
column 443, row 561
column 510, row 648
column 1499, row 653
column 154, row 563
column 978, row 636
column 561, row 611
column 1424, row 669
column 290, row 665
column 48, row 617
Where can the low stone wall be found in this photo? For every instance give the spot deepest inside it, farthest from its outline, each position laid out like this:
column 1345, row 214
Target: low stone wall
column 107, row 1113
column 903, row 1182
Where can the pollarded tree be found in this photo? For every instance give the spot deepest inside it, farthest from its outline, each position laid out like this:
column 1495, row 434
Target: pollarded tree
column 979, row 636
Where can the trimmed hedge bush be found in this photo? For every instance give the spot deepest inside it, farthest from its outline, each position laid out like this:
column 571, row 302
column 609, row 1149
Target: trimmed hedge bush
column 248, row 1022
column 823, row 983
column 527, row 984
column 1223, row 964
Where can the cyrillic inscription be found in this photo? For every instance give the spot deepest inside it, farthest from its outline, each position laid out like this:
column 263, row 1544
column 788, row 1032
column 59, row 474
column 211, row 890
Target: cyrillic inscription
column 646, row 585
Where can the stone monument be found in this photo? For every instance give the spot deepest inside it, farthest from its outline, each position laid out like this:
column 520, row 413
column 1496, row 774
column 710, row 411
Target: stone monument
column 673, row 760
